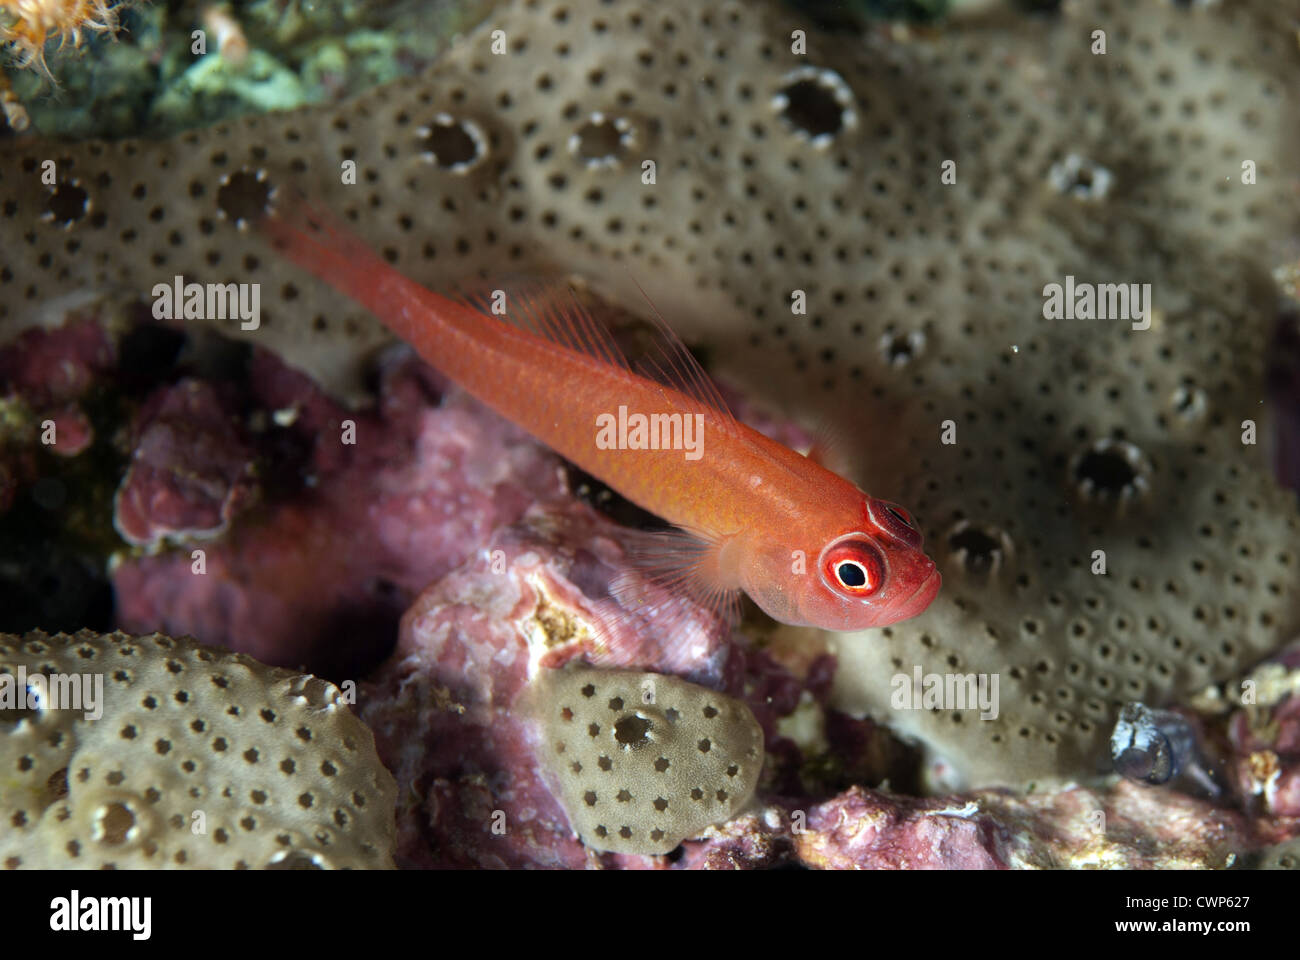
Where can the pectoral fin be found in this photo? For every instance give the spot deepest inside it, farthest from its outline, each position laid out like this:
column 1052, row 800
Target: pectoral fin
column 665, row 567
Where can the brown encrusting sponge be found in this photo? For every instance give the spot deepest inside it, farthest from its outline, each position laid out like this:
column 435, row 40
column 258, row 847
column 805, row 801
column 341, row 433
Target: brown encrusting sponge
column 199, row 758
column 643, row 761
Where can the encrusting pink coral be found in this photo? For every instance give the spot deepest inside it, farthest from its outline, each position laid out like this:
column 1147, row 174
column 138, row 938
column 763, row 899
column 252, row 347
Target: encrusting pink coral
column 444, row 707
column 412, row 498
column 45, row 375
column 190, row 472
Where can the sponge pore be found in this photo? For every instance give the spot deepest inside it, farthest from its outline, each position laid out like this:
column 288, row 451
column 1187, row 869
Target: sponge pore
column 642, row 761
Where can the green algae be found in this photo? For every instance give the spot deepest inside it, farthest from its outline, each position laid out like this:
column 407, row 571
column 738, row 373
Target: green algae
column 213, row 88
column 149, row 80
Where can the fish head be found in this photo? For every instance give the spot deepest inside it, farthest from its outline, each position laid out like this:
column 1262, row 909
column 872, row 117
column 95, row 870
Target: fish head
column 870, row 571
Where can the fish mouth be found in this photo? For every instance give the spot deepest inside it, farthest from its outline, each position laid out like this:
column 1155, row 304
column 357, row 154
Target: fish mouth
column 925, row 593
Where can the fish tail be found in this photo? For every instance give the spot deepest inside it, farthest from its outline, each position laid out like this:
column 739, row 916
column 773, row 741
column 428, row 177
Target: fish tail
column 312, row 238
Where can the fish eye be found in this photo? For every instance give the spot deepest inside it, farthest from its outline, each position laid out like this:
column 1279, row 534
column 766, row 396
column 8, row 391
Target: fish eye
column 851, row 573
column 854, row 567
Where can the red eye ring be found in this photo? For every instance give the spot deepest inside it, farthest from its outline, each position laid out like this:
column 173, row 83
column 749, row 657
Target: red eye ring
column 853, row 566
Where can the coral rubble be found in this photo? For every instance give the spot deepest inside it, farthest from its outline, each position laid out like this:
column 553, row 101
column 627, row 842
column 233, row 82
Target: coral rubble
column 874, row 229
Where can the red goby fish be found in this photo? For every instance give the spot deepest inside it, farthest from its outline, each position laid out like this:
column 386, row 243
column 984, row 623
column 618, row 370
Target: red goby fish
column 809, row 547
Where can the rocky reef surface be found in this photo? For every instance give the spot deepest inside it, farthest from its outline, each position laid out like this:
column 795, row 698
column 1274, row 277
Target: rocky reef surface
column 491, row 562
column 304, row 492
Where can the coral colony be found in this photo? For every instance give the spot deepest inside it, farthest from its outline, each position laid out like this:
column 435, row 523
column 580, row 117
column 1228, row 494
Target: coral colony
column 280, row 588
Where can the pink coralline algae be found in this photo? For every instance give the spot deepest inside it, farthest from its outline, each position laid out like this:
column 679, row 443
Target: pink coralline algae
column 358, row 513
column 443, row 707
column 72, row 431
column 1127, row 826
column 44, row 376
column 190, row 472
column 49, row 368
column 1264, row 737
column 865, row 830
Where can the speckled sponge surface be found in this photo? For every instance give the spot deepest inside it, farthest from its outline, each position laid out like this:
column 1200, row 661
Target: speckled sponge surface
column 185, row 757
column 644, row 761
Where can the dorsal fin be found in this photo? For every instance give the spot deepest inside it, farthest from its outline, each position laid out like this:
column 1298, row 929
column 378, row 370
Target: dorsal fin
column 830, row 448
column 314, row 239
column 673, row 365
column 554, row 312
column 550, row 311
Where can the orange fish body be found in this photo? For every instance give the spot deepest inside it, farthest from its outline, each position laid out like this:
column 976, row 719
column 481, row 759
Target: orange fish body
column 808, row 547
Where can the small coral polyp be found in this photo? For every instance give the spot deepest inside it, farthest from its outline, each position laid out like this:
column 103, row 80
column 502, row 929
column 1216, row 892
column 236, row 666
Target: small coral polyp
column 26, row 26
